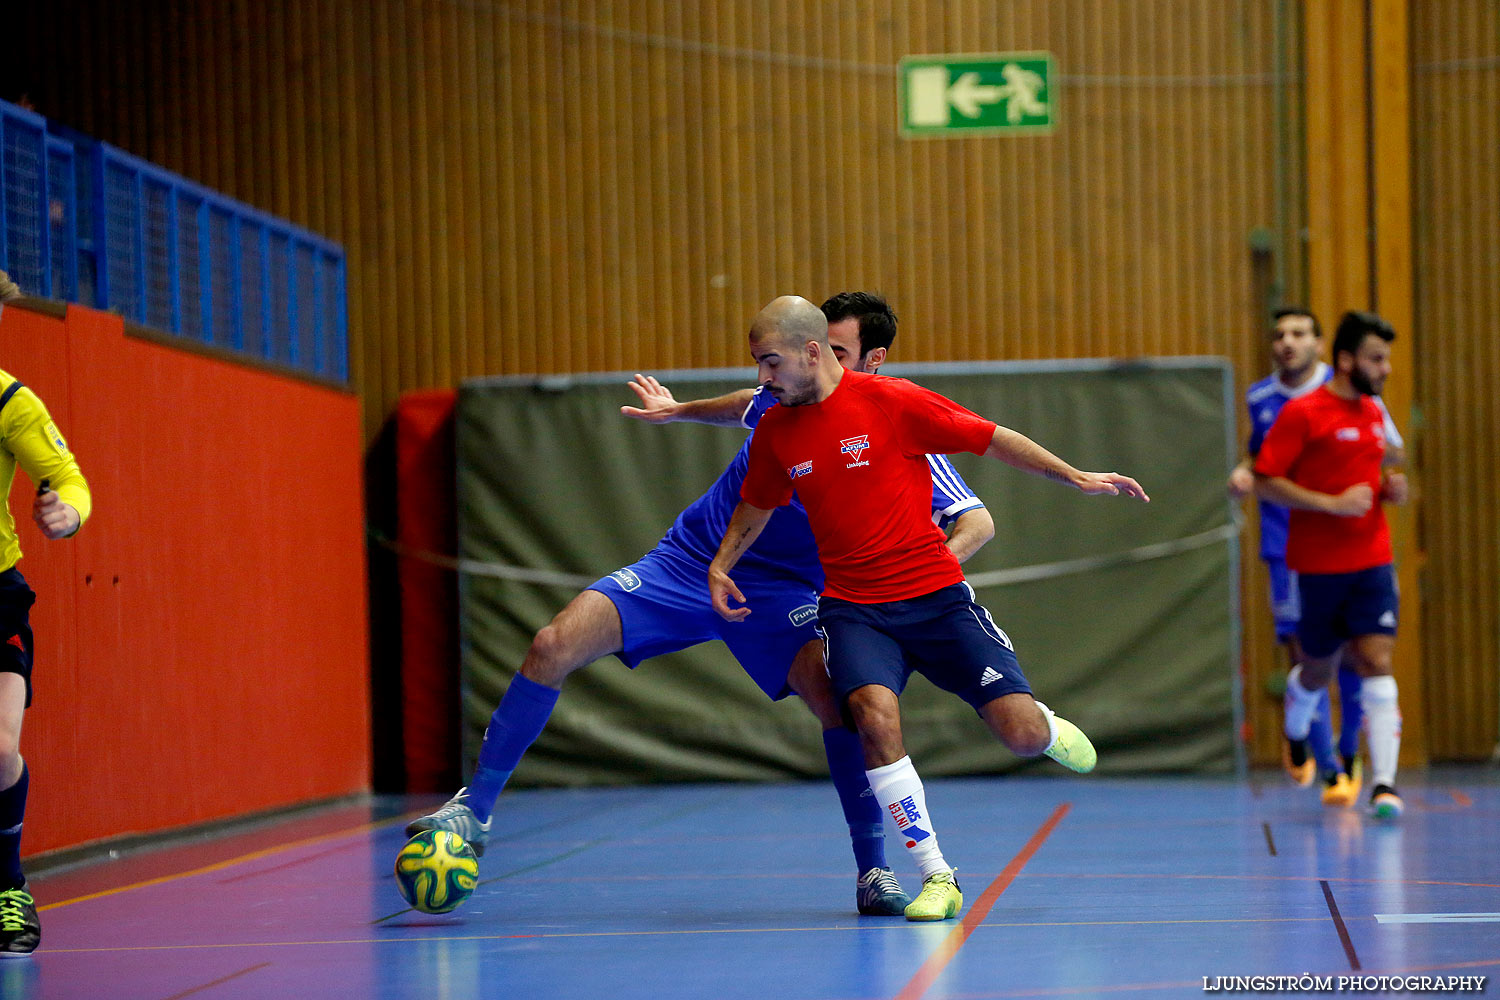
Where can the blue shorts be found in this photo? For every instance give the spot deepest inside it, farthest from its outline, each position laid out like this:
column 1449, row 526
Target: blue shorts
column 665, row 606
column 1337, row 607
column 16, row 643
column 946, row 636
column 1286, row 602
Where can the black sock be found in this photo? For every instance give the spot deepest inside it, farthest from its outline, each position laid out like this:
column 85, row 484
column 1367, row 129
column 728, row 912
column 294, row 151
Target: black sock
column 1297, row 750
column 12, row 811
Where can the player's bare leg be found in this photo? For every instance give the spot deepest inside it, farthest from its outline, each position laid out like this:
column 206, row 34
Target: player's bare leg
column 582, row 632
column 1028, row 728
column 877, row 891
column 12, row 713
column 877, row 715
column 1017, row 722
column 809, row 679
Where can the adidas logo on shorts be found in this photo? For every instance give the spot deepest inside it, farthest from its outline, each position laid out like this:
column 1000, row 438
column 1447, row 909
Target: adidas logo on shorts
column 990, row 676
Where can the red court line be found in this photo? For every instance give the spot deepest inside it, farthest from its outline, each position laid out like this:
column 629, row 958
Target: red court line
column 939, row 959
column 222, row 979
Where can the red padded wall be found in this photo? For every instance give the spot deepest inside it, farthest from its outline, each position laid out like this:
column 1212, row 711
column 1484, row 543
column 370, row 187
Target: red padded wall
column 201, row 644
column 425, row 522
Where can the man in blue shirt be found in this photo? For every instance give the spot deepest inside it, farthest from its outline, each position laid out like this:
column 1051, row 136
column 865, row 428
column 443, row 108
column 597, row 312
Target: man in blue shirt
column 1295, row 342
column 661, row 603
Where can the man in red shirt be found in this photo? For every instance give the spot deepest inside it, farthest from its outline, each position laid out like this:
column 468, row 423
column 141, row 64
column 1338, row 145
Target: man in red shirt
column 1323, row 459
column 853, row 447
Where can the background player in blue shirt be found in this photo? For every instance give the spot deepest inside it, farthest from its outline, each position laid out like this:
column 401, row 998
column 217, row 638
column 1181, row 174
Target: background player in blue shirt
column 1296, row 339
column 661, row 604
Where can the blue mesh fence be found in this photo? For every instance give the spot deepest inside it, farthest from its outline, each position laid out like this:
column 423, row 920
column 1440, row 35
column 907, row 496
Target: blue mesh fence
column 330, row 300
column 189, row 265
column 82, row 221
column 24, row 211
column 223, row 279
column 62, row 220
column 305, row 268
column 158, row 248
column 252, row 289
column 121, row 231
column 85, row 184
column 281, row 296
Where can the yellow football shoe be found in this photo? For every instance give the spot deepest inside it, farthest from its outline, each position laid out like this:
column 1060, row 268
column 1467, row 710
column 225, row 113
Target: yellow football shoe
column 1071, row 748
column 940, row 898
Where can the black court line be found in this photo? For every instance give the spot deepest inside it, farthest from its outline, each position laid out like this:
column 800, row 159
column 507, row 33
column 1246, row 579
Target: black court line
column 1270, row 842
column 282, row 867
column 1338, row 922
column 216, row 982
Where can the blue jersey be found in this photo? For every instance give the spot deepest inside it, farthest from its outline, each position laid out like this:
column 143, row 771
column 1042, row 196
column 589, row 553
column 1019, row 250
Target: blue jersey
column 786, row 547
column 1264, row 400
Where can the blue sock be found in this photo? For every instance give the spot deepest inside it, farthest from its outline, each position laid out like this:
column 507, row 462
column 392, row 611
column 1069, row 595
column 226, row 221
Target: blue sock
column 12, row 811
column 846, row 765
column 1320, row 736
column 1353, row 716
column 516, row 724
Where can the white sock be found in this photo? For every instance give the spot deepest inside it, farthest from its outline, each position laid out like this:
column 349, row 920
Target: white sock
column 899, row 792
column 1377, row 696
column 1298, row 707
column 1051, row 726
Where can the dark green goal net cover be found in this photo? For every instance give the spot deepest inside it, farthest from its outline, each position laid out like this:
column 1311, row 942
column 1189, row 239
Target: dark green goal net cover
column 1123, row 615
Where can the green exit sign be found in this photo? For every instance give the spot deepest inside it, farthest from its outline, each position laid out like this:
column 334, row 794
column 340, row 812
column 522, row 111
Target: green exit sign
column 1005, row 93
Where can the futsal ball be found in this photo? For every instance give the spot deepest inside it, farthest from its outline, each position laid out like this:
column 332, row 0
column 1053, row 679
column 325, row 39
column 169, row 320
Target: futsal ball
column 436, row 871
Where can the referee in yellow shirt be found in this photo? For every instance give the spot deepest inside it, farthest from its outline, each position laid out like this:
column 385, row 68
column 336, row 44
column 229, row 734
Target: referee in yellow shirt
column 30, row 439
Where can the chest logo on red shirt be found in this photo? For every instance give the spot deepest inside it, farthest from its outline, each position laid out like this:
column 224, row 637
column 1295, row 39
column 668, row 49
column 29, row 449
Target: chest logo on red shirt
column 854, row 447
column 1347, row 433
column 799, row 470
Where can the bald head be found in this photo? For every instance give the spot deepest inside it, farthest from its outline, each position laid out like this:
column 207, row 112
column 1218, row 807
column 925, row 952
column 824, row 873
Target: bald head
column 789, row 341
column 789, row 321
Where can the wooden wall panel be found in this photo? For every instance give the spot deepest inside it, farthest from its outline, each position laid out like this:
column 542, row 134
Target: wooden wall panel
column 1455, row 47
column 536, row 186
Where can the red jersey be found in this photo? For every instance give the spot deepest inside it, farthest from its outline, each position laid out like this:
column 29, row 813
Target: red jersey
column 1326, row 443
column 858, row 463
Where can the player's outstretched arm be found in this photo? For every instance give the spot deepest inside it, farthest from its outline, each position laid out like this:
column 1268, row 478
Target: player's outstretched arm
column 973, row 529
column 1018, row 450
column 1353, row 502
column 658, row 406
column 745, row 526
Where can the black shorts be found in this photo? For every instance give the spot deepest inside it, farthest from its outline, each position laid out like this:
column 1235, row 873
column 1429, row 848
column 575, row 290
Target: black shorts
column 16, row 599
column 946, row 636
column 1340, row 606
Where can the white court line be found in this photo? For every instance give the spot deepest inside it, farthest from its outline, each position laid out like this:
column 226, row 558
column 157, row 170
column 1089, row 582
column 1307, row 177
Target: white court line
column 1438, row 918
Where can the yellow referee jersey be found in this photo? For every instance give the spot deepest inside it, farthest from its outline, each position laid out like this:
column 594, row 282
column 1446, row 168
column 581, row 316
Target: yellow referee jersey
column 28, row 437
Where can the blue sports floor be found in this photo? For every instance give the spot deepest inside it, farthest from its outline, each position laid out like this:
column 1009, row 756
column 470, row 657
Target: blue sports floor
column 1074, row 887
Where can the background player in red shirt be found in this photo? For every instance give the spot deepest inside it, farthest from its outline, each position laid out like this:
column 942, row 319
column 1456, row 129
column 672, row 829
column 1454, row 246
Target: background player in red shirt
column 852, row 446
column 1323, row 458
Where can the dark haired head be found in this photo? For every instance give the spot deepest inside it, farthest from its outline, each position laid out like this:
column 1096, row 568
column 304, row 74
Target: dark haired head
column 1290, row 310
column 1354, row 327
column 877, row 320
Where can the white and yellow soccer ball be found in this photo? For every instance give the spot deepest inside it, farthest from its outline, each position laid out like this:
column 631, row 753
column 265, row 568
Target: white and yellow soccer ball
column 436, row 871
